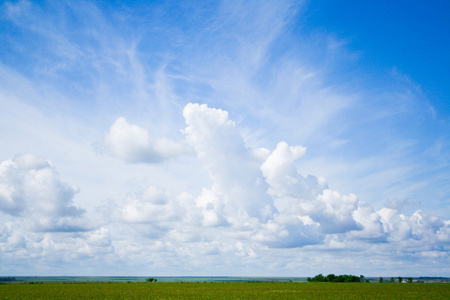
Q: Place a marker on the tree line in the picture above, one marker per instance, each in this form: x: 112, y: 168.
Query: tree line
x: 7, y: 278
x: 336, y: 278
x: 400, y: 279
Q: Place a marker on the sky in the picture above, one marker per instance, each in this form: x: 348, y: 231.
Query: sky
x: 214, y: 138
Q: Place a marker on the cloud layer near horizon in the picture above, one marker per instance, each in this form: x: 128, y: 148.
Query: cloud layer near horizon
x: 258, y: 201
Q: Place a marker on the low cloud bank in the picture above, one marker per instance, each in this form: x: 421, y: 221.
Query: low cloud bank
x: 259, y: 203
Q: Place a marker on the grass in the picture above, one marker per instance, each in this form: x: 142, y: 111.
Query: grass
x: 241, y: 290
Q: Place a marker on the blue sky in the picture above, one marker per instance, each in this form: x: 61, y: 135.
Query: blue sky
x: 279, y: 138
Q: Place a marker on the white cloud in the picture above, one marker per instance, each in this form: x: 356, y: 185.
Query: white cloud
x: 233, y: 168
x: 257, y: 205
x: 370, y: 221
x: 212, y: 209
x: 334, y: 212
x: 133, y: 144
x: 30, y: 188
x: 307, y: 211
x: 307, y: 196
x: 281, y: 174
x: 150, y: 206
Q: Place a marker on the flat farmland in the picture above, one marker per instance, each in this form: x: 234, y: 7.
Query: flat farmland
x: 241, y: 290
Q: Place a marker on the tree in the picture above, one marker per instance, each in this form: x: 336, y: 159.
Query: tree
x: 380, y: 280
x: 400, y: 279
x: 331, y: 278
x: 410, y: 280
x: 150, y: 279
x: 392, y: 279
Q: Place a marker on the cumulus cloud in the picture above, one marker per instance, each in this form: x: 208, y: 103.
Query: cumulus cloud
x: 151, y: 212
x: 259, y: 195
x: 285, y: 181
x: 258, y: 204
x: 30, y: 188
x: 49, y: 250
x: 133, y: 144
x: 370, y: 225
x: 308, y: 198
x: 330, y: 214
x: 419, y: 226
x: 211, y: 209
x: 234, y: 169
x: 299, y: 210
x: 43, y: 221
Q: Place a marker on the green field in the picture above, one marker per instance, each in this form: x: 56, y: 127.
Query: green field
x: 275, y: 290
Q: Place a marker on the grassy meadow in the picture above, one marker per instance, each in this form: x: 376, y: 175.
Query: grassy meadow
x: 233, y: 290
